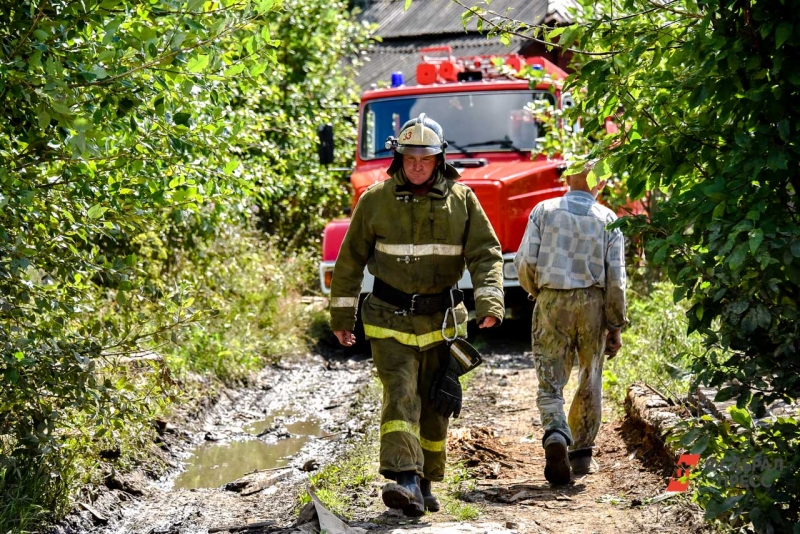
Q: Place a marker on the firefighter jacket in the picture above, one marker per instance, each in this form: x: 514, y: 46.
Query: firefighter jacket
x: 417, y: 244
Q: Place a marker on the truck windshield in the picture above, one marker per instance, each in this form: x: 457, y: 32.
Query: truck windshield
x: 496, y: 121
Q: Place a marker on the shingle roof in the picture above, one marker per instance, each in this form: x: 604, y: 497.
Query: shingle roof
x: 438, y: 22
x: 437, y: 17
x: 403, y: 55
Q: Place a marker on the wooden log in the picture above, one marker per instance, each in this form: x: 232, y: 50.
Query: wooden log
x: 240, y: 528
x: 645, y: 406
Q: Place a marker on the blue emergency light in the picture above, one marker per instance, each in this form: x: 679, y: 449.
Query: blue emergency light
x: 397, y: 79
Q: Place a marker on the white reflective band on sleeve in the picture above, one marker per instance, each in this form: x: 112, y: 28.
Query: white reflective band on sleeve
x: 488, y: 291
x: 420, y: 250
x: 344, y: 302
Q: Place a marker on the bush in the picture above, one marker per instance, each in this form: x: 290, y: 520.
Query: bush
x: 137, y: 137
x: 250, y: 297
x: 750, y: 476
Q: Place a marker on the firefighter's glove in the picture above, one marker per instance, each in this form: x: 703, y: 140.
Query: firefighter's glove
x: 446, y: 389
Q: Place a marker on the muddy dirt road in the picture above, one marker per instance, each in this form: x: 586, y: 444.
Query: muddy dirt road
x: 305, y: 414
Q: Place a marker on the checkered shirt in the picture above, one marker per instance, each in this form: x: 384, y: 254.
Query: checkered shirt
x: 566, y: 246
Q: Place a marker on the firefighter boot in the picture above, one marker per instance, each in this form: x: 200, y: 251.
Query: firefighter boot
x: 405, y: 494
x: 556, y: 467
x: 431, y: 502
x: 582, y: 462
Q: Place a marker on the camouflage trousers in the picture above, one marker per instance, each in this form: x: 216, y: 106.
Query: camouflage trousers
x: 566, y: 324
x: 413, y: 434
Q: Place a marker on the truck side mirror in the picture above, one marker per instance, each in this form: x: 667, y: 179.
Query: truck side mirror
x: 325, y: 144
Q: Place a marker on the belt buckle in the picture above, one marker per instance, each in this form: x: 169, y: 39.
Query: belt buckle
x: 414, y: 302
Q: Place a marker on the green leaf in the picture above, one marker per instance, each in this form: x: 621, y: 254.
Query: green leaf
x: 661, y: 254
x: 700, y: 445
x: 235, y: 70
x: 741, y: 416
x: 737, y: 257
x: 552, y: 34
x: 570, y: 34
x: 258, y: 69
x: 198, y: 63
x: 756, y: 238
x: 264, y: 6
x: 407, y: 5
x: 739, y: 307
x: 750, y: 322
x: 60, y: 107
x: 782, y: 33
x: 796, y: 249
x: 600, y: 172
x: 96, y: 211
x: 231, y: 166
x: 182, y: 118
x: 44, y: 119
x: 698, y: 96
x: 784, y: 129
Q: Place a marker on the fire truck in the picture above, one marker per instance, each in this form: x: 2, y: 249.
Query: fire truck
x: 491, y: 135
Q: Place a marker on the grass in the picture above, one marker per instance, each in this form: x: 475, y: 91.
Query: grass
x: 655, y: 347
x: 255, y: 313
x: 458, y: 482
x: 355, y: 472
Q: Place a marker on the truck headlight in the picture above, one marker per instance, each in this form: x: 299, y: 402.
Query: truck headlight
x: 510, y: 270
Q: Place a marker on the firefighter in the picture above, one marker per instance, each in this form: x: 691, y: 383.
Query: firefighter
x: 575, y: 269
x: 416, y: 232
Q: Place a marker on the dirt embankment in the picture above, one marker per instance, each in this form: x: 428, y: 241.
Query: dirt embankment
x: 319, y: 403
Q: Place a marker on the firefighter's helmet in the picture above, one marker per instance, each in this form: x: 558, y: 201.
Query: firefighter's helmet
x: 420, y: 137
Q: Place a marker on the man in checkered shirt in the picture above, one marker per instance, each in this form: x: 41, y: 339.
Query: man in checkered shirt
x: 575, y: 269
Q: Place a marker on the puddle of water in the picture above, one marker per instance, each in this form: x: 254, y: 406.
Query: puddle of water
x: 257, y: 427
x: 310, y: 427
x: 305, y: 428
x: 213, y: 464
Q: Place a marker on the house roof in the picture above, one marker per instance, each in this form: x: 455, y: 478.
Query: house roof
x: 437, y: 23
x: 438, y: 17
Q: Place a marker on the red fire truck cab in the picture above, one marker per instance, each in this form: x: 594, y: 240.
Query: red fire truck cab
x: 491, y: 137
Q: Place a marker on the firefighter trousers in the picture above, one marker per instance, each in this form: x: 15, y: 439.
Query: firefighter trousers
x: 566, y: 324
x: 413, y: 435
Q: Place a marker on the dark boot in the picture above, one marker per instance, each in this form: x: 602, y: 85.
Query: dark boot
x: 556, y: 467
x: 431, y: 502
x: 582, y: 462
x: 405, y: 494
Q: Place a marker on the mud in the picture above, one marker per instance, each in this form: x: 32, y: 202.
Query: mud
x: 305, y: 413
x: 293, y: 419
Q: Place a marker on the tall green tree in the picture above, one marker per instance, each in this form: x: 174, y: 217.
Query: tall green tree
x: 707, y: 97
x: 132, y: 131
